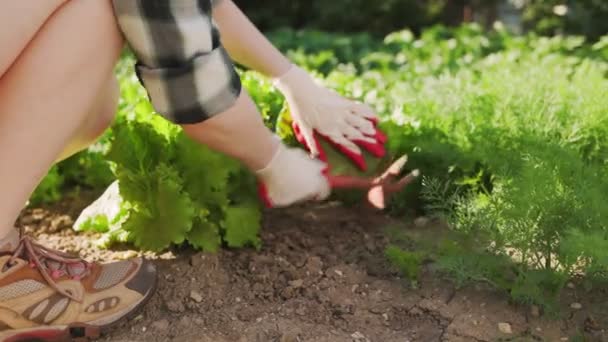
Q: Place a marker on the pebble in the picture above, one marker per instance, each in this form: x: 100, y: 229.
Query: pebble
x: 570, y: 285
x: 297, y: 283
x: 421, y: 222
x: 505, y: 328
x: 161, y: 325
x: 127, y: 255
x: 576, y: 306
x: 358, y: 336
x: 377, y: 310
x: 197, y: 297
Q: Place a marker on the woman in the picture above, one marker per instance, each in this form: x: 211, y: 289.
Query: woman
x: 58, y: 94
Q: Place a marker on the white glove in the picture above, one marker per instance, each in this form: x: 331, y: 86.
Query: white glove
x: 345, y: 123
x: 292, y: 177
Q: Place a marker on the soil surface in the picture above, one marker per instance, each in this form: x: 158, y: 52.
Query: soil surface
x: 320, y: 276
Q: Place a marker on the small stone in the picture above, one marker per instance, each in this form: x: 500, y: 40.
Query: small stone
x: 143, y: 329
x: 127, y: 255
x: 377, y: 310
x: 385, y: 316
x: 564, y: 339
x: 339, y: 273
x: 296, y: 283
x: 238, y: 299
x: 421, y: 222
x: 358, y: 336
x: 535, y: 311
x: 197, y: 297
x: 576, y: 306
x: 160, y: 325
x: 570, y: 285
x: 505, y: 328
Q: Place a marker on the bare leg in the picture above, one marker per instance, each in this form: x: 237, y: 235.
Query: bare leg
x: 48, y: 90
x: 17, y: 33
x: 98, y: 120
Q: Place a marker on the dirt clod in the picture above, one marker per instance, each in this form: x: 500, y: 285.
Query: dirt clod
x: 175, y: 305
x: 160, y: 325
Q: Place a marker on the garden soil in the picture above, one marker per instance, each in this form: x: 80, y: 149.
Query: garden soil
x: 321, y: 276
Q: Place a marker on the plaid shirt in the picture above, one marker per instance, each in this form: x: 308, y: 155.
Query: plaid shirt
x: 186, y: 71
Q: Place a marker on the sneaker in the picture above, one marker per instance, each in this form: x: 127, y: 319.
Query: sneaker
x: 47, y: 295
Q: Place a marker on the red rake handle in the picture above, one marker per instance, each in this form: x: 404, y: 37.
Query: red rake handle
x: 379, y: 189
x: 350, y: 182
x: 386, y: 180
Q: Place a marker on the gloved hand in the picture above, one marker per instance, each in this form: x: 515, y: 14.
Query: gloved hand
x: 348, y: 125
x: 291, y: 177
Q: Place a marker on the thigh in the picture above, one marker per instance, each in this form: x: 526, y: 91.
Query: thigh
x: 21, y: 19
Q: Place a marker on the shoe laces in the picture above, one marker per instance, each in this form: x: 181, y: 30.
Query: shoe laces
x: 51, y: 264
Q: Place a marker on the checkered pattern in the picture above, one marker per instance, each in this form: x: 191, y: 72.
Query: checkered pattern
x: 181, y: 62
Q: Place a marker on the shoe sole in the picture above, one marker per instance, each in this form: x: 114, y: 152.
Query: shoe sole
x: 77, y: 332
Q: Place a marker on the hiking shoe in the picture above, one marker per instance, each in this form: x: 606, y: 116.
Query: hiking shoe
x: 47, y: 295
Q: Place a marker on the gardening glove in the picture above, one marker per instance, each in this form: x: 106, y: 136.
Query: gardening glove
x: 316, y: 110
x: 292, y: 176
